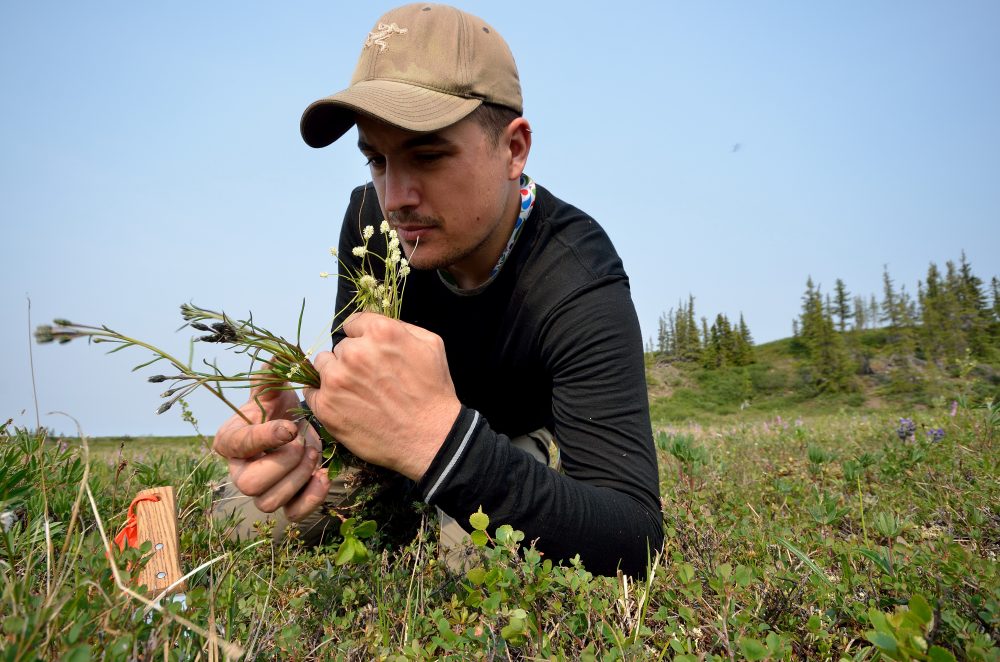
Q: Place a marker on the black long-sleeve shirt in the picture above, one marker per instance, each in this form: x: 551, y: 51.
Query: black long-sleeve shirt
x: 553, y: 341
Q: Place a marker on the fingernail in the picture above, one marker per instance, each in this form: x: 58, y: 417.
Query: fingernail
x: 312, y: 454
x: 285, y: 434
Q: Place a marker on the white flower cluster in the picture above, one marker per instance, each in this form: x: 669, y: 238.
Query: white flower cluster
x: 384, y: 296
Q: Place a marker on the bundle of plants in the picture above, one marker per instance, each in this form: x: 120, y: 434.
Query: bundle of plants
x: 276, y: 363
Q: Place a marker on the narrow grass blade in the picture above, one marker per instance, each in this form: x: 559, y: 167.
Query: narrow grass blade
x: 805, y: 559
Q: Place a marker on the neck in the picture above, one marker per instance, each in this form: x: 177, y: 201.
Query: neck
x: 475, y: 271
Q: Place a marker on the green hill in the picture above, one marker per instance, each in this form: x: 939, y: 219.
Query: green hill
x: 778, y: 383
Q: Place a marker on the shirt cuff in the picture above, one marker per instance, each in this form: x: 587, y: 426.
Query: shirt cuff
x: 463, y: 430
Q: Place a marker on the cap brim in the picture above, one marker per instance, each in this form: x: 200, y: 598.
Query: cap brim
x: 403, y: 105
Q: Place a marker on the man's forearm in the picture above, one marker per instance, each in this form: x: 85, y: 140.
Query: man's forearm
x: 477, y: 467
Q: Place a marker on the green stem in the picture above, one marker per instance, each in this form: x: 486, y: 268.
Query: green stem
x: 216, y: 391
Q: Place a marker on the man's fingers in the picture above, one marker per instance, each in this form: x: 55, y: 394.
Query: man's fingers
x: 245, y: 441
x: 420, y: 333
x: 360, y: 324
x: 282, y: 491
x: 320, y: 360
x: 255, y: 477
x: 310, y: 498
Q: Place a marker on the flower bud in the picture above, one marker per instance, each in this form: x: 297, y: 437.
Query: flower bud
x: 43, y: 334
x: 156, y: 379
x: 164, y: 407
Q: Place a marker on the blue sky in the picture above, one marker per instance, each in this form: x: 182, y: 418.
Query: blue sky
x: 149, y: 155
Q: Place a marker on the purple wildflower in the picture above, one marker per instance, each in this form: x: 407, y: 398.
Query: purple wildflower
x: 907, y: 429
x: 935, y: 435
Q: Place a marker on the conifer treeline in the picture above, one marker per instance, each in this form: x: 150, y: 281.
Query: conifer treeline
x: 723, y: 344
x: 950, y: 320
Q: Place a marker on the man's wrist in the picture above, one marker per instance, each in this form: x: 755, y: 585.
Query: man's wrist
x: 450, y: 454
x: 421, y: 455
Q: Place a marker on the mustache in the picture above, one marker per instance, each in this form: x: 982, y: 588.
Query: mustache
x: 411, y: 219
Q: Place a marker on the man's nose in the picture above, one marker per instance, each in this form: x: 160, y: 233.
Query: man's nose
x: 401, y: 189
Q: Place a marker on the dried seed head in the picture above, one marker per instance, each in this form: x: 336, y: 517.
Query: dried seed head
x: 198, y: 326
x: 164, y: 407
x: 43, y: 334
x: 156, y: 379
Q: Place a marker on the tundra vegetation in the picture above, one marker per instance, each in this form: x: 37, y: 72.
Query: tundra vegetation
x: 844, y: 515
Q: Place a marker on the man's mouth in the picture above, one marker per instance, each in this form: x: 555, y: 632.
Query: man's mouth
x: 409, y: 230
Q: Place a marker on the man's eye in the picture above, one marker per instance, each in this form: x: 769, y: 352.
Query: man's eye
x: 428, y: 157
x: 375, y: 162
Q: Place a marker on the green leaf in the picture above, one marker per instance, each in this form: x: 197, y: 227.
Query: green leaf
x: 685, y: 572
x: 79, y: 654
x: 938, y: 654
x: 477, y: 575
x: 881, y: 561
x: 366, y: 529
x: 743, y: 576
x: 150, y: 362
x: 345, y: 553
x: 885, y: 642
x: 347, y: 527
x: 879, y: 621
x: 479, y: 538
x: 920, y: 609
x: 504, y: 534
x: 805, y: 559
x: 479, y: 520
x: 752, y: 649
x: 358, y: 550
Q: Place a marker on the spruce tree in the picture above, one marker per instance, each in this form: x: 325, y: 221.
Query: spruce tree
x: 694, y: 342
x: 662, y: 335
x: 744, y: 343
x: 859, y: 313
x: 712, y: 355
x: 873, y: 312
x: 932, y: 316
x: 842, y: 305
x: 995, y: 285
x: 973, y: 309
x: 890, y: 300
x: 704, y: 335
x: 831, y: 368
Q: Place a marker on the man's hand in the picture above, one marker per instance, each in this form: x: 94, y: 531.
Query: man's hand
x: 386, y: 393
x: 275, y: 462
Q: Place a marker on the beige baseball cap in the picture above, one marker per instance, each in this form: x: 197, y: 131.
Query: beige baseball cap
x: 423, y: 67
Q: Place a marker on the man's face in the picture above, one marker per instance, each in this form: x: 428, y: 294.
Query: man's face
x: 448, y: 194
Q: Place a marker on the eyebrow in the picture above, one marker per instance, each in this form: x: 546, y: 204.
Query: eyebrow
x: 422, y: 140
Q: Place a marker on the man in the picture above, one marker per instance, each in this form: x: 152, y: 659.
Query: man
x: 518, y: 328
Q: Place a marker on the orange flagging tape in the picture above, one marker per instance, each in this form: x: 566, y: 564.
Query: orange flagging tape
x: 129, y: 533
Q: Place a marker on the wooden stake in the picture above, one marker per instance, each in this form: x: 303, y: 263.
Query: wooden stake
x: 157, y: 523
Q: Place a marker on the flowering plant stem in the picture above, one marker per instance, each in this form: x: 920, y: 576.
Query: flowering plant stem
x: 286, y: 368
x: 281, y: 364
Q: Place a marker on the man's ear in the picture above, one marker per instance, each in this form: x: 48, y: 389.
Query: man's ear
x: 517, y: 137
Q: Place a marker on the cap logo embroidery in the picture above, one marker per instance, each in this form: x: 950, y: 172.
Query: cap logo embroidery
x: 382, y: 33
